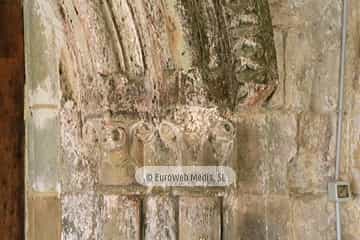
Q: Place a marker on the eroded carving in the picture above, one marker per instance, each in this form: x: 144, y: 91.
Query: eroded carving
x: 173, y: 70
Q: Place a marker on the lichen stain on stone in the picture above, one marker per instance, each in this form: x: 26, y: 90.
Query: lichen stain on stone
x: 233, y: 46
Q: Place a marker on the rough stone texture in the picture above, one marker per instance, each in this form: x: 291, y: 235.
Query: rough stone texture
x: 249, y: 84
x: 307, y: 61
x: 119, y: 218
x: 279, y: 218
x: 44, y: 214
x: 350, y: 219
x: 244, y: 216
x: 355, y: 153
x: 266, y: 148
x: 160, y: 218
x: 78, y: 215
x: 116, y: 167
x: 78, y: 163
x: 282, y: 147
x: 313, y: 218
x: 313, y: 166
x: 199, y: 218
x: 252, y: 153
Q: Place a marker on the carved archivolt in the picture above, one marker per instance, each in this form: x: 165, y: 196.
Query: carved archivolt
x: 160, y: 75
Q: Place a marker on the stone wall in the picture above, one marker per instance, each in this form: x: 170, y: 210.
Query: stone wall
x: 116, y: 85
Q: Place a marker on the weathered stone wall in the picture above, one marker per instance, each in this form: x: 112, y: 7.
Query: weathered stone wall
x: 113, y: 85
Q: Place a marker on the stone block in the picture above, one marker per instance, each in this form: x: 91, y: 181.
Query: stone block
x: 80, y: 153
x: 278, y: 219
x: 309, y: 67
x: 43, y: 43
x: 299, y: 71
x: 282, y: 147
x: 119, y: 218
x: 78, y: 216
x: 315, y: 131
x: 199, y: 218
x: 252, y: 152
x: 350, y: 219
x: 313, y: 218
x: 244, y: 217
x: 43, y: 141
x: 313, y: 166
x: 355, y: 181
x: 354, y: 150
x: 160, y: 218
x: 44, y: 218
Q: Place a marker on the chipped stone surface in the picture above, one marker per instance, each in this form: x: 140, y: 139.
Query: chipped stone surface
x: 119, y: 218
x: 160, y: 218
x: 78, y: 215
x: 199, y: 218
x: 78, y: 165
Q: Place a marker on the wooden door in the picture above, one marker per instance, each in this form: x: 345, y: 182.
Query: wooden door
x: 11, y: 121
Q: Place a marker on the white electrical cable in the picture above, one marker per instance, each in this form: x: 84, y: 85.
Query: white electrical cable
x: 340, y: 110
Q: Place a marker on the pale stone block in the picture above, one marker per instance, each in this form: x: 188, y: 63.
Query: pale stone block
x: 43, y: 141
x: 43, y: 43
